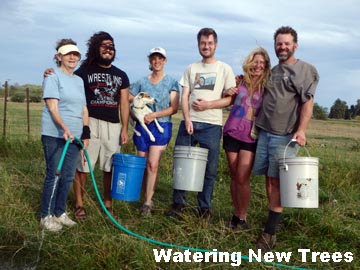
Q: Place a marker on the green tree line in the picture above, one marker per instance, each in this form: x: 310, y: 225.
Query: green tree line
x: 17, y: 93
x: 339, y: 110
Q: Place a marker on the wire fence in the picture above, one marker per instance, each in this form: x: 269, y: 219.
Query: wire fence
x: 20, y: 120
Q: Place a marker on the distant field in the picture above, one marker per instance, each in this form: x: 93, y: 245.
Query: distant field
x: 97, y: 244
x: 317, y: 130
x: 335, y: 128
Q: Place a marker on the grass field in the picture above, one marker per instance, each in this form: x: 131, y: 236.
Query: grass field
x: 98, y: 243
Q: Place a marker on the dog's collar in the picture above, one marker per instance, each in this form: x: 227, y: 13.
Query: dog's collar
x: 133, y: 106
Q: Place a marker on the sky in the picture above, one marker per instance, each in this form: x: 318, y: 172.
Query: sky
x: 328, y: 35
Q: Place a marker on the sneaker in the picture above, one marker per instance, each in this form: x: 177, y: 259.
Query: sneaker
x: 50, y: 224
x: 65, y: 220
x: 236, y: 223
x: 176, y: 209
x: 266, y: 242
x: 145, y: 209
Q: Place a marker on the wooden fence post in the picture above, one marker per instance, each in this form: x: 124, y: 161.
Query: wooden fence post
x: 5, y: 108
x: 28, y: 111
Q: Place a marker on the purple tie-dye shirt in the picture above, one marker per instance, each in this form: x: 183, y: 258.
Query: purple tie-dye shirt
x: 245, y: 108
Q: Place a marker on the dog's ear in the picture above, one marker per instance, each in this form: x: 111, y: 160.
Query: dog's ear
x: 141, y: 94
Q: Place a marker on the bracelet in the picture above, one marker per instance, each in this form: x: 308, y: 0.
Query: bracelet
x: 85, y: 133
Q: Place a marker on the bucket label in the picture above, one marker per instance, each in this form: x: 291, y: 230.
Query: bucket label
x: 121, y: 184
x: 303, y: 187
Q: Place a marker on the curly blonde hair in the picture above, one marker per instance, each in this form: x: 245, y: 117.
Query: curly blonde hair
x: 248, y: 64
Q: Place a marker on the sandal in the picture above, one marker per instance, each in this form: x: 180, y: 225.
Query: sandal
x: 80, y: 213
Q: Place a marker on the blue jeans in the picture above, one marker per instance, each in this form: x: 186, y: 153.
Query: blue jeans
x: 207, y: 136
x: 56, y: 188
x: 270, y: 148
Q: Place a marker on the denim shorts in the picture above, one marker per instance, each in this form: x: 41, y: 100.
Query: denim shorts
x: 270, y: 148
x: 143, y: 142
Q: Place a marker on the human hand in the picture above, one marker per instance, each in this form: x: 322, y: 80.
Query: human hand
x: 85, y: 143
x: 200, y: 105
x: 67, y: 134
x: 189, y: 126
x: 231, y: 91
x: 300, y: 137
x: 124, y: 137
x: 149, y: 118
x: 238, y: 79
x: 48, y: 71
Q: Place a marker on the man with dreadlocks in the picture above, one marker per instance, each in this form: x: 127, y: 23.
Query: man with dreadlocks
x: 107, y: 97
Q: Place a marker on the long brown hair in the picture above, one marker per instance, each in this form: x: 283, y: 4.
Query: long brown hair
x: 93, y: 52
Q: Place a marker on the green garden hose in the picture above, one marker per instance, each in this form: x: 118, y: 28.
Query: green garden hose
x: 164, y: 244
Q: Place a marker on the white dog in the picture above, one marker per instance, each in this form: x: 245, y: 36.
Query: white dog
x: 138, y: 111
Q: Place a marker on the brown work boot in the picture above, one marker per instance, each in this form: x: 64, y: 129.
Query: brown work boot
x: 266, y: 242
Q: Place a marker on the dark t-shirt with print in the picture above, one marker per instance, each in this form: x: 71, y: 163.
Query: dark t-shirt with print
x: 102, y: 90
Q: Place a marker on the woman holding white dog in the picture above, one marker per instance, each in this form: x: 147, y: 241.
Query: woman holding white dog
x: 165, y: 90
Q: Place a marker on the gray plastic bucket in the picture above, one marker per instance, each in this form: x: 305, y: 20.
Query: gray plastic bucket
x: 189, y: 168
x: 299, y: 181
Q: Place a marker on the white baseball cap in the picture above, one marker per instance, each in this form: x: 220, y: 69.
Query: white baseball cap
x: 158, y: 50
x: 65, y: 49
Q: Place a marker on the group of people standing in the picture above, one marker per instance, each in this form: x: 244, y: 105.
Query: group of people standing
x: 269, y: 108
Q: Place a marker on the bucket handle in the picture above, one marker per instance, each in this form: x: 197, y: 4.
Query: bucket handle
x: 291, y: 141
x: 121, y: 156
x: 189, y: 148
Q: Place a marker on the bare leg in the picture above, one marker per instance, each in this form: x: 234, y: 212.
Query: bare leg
x: 107, y: 188
x: 152, y: 167
x: 273, y: 193
x: 143, y: 185
x: 232, y: 158
x: 240, y: 165
x: 244, y: 166
x: 79, y: 188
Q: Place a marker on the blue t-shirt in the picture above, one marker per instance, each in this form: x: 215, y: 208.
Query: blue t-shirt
x: 69, y: 90
x: 160, y: 91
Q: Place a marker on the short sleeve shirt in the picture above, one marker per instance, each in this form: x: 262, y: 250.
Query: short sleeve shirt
x: 102, y: 90
x: 69, y: 90
x: 288, y: 88
x: 207, y: 81
x: 160, y: 91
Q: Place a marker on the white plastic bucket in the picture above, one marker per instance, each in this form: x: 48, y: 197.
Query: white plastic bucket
x: 299, y: 181
x: 189, y: 168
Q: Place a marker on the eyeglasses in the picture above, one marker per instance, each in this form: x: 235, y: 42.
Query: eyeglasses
x: 110, y: 47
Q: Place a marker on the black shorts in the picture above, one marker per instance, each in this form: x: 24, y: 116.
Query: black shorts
x: 231, y: 144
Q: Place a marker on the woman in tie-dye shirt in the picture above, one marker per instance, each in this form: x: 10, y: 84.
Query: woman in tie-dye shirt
x: 239, y: 140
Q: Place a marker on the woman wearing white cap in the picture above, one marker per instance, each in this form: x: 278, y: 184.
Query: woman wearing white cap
x: 64, y: 116
x: 165, y: 90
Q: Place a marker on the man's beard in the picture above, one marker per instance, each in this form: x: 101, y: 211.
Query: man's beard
x: 105, y: 61
x: 206, y: 56
x: 283, y: 58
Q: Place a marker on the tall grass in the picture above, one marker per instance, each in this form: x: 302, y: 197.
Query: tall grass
x: 97, y: 243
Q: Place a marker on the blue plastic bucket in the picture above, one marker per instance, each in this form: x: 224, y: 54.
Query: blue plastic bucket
x: 127, y: 175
